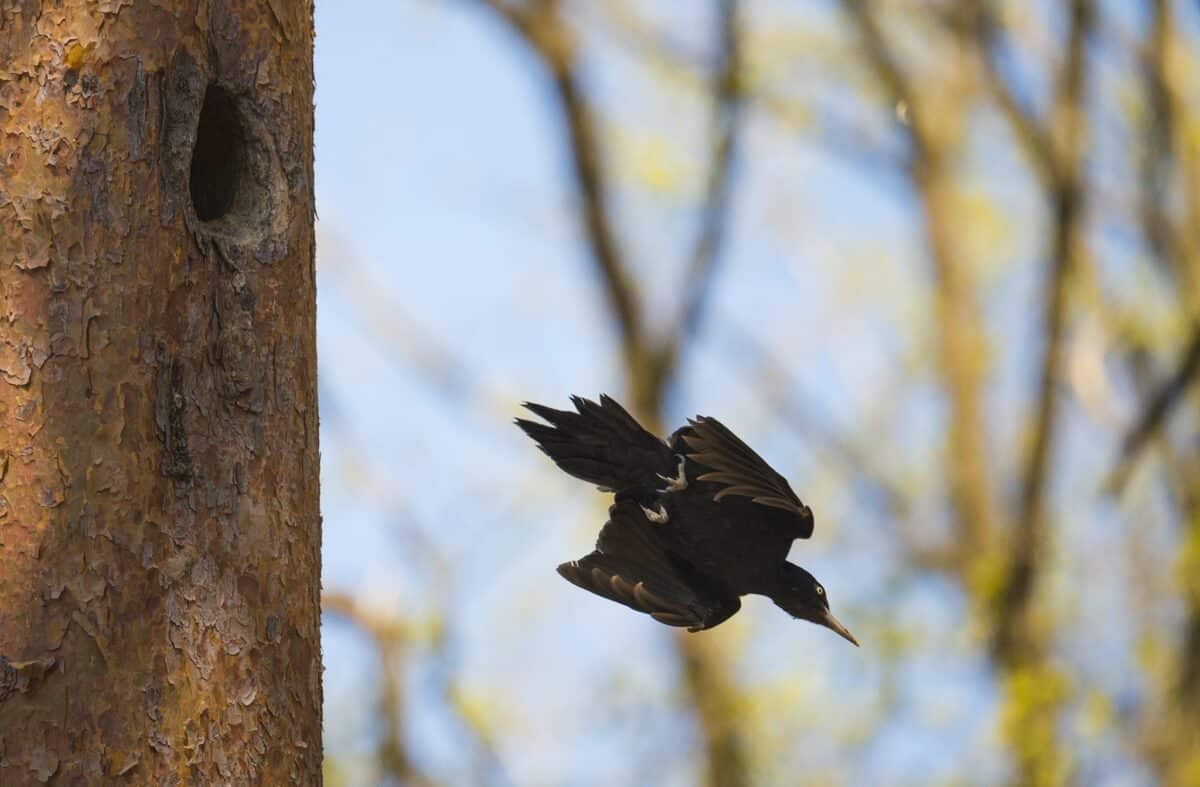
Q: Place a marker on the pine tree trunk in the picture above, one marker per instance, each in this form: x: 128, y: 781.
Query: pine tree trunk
x: 159, y: 529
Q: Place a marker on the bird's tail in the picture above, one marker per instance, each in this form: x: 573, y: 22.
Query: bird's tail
x: 601, y: 444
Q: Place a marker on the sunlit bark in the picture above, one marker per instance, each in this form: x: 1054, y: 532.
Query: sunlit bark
x: 159, y: 531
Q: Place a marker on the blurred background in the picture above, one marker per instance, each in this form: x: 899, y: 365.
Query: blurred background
x: 938, y: 261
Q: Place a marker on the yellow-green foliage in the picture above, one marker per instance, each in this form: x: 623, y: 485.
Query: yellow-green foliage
x: 1029, y: 721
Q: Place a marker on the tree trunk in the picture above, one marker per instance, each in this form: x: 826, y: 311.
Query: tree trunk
x: 159, y: 530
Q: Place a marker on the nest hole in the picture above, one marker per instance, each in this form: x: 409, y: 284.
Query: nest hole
x: 220, y: 157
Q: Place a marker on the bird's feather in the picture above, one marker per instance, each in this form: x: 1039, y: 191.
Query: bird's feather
x: 739, y: 471
x: 697, y: 521
x: 601, y: 444
x: 632, y: 567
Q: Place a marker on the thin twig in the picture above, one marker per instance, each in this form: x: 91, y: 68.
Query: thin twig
x: 1155, y: 412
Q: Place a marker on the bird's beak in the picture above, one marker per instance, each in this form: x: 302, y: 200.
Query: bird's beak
x: 830, y: 622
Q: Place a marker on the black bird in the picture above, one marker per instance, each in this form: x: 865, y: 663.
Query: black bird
x: 699, y: 520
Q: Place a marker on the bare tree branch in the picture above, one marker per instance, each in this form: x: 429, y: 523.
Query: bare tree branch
x: 1156, y: 411
x: 585, y: 157
x: 622, y: 18
x: 800, y: 414
x: 1014, y: 647
x: 648, y: 367
x: 711, y: 688
x: 540, y: 25
x: 888, y: 71
x: 1168, y: 142
x: 840, y: 137
x: 411, y: 346
x: 1159, y: 139
x: 487, y: 757
x: 1173, y: 241
x: 1170, y: 734
x: 714, y: 216
x: 1067, y: 194
x: 959, y: 330
x: 710, y: 685
x: 389, y: 637
x: 1035, y: 141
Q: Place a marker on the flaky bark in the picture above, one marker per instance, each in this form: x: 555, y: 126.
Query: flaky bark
x: 159, y: 532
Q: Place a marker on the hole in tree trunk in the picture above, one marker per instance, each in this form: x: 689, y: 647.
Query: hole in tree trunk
x: 219, y: 158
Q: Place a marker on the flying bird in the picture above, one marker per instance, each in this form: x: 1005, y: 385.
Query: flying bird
x: 698, y: 520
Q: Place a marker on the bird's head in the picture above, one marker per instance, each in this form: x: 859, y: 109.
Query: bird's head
x: 798, y: 593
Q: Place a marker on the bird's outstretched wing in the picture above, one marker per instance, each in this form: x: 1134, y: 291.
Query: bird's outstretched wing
x: 738, y: 470
x: 602, y: 444
x: 630, y: 566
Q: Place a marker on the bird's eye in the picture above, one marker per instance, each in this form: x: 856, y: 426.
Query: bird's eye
x: 820, y: 590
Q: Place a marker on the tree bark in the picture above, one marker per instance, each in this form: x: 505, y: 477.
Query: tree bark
x: 159, y: 527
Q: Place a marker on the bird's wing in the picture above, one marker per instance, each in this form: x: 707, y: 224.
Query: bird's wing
x: 631, y: 567
x: 738, y: 470
x: 601, y: 444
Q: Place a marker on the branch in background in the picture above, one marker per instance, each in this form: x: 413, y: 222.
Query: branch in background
x: 1184, y: 477
x: 416, y: 349
x: 831, y: 134
x: 957, y: 322
x: 585, y: 157
x: 1171, y: 243
x: 795, y: 410
x: 1159, y: 142
x: 540, y: 26
x: 888, y: 71
x: 1170, y: 138
x: 622, y: 18
x: 487, y: 758
x: 1170, y: 735
x: 1035, y: 690
x: 1030, y: 717
x: 1011, y: 642
x: 389, y: 637
x: 1033, y: 138
x: 1156, y: 411
x: 728, y: 102
x: 711, y: 688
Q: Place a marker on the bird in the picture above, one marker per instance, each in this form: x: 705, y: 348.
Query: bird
x: 697, y: 521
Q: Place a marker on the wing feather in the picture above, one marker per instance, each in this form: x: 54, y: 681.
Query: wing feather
x: 629, y: 567
x: 740, y: 471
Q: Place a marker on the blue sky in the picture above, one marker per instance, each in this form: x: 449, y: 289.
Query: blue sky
x: 446, y: 219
